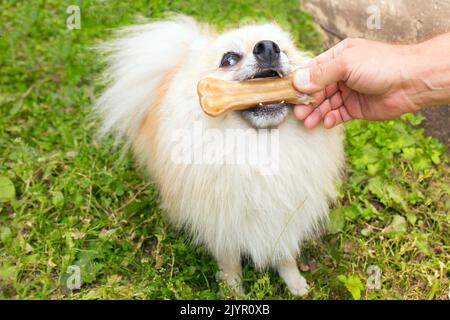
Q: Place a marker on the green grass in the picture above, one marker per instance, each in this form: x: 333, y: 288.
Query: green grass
x: 66, y: 199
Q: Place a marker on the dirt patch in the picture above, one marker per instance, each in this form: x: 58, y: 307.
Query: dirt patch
x: 437, y: 123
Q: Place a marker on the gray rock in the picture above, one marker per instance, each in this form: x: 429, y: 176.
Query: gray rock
x: 400, y: 21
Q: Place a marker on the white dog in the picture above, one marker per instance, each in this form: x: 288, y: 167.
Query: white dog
x: 235, y: 208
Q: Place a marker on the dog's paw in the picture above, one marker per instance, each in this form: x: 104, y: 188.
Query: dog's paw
x: 298, y: 287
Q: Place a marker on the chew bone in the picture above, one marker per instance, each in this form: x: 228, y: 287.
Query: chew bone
x: 219, y: 96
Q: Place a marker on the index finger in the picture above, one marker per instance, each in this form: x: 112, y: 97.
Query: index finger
x: 331, y: 53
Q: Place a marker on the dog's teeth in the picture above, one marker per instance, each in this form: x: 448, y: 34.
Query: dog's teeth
x: 280, y: 74
x: 282, y: 101
x: 260, y: 104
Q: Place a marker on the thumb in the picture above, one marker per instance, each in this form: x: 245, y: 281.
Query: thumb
x: 319, y: 75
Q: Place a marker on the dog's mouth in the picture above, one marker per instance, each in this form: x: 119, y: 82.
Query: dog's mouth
x: 266, y: 115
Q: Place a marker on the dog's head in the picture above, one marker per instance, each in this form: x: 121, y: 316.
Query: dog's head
x: 256, y: 51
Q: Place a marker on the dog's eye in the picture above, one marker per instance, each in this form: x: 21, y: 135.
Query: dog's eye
x: 230, y: 59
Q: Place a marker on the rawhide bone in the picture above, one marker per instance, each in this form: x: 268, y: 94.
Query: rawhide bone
x: 219, y: 96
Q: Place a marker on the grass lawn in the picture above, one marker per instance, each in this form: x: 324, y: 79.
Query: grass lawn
x: 67, y: 199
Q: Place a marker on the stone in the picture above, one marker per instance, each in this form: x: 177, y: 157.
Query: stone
x: 400, y: 21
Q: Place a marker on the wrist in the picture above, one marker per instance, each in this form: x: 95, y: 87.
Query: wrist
x: 426, y: 76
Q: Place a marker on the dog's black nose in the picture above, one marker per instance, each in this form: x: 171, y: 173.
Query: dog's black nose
x: 266, y: 53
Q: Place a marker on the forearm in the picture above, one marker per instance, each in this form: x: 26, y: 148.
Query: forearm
x: 427, y: 73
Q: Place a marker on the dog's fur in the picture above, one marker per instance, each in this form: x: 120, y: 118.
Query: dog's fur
x: 233, y: 209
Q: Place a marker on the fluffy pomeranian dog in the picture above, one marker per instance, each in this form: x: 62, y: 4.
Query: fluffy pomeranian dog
x: 235, y: 208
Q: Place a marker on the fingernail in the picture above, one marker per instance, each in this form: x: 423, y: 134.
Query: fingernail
x: 302, y: 78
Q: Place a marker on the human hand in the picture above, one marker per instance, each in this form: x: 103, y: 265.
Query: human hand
x: 357, y: 79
